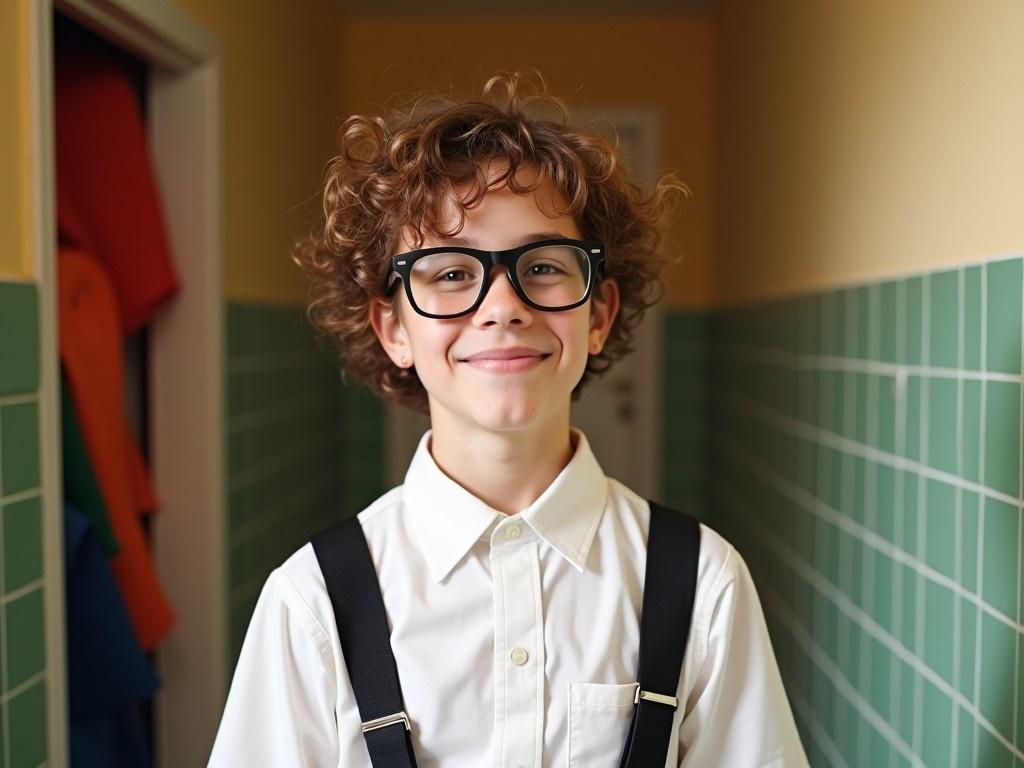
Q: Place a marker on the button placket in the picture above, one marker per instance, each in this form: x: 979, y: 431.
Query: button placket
x: 518, y: 655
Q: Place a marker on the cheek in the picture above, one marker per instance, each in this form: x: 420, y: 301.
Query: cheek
x: 432, y: 348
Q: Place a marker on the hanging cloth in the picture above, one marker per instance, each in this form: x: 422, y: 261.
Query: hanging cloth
x: 108, y: 674
x: 90, y: 351
x: 80, y: 487
x: 107, y: 198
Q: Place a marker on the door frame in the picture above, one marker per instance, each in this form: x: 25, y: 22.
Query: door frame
x: 186, y: 360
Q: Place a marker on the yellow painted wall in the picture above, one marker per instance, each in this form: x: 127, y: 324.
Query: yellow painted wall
x: 15, y: 246
x: 281, y: 96
x: 865, y: 139
x: 628, y: 60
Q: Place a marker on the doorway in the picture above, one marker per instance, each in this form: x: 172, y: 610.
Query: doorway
x: 179, y: 363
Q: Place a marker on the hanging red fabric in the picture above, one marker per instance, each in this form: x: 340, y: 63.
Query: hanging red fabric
x: 107, y: 201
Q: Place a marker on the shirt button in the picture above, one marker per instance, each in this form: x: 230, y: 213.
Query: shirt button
x: 519, y: 656
x: 512, y: 532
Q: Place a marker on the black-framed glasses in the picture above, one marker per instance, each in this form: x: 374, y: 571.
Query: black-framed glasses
x: 451, y: 281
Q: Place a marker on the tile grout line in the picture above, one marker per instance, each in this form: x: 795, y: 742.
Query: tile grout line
x: 316, y: 400
x: 21, y: 399
x: 982, y: 365
x: 961, y: 343
x: 3, y: 618
x: 268, y: 466
x: 870, y: 513
x: 899, y: 445
x: 1020, y: 537
x: 846, y: 485
x: 21, y: 687
x: 832, y: 363
x: 23, y: 590
x: 921, y: 547
x: 250, y: 529
x: 14, y: 498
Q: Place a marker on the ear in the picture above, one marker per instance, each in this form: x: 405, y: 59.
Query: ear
x: 387, y: 324
x: 604, y: 309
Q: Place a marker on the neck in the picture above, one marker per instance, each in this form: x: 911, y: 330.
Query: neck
x: 508, y: 471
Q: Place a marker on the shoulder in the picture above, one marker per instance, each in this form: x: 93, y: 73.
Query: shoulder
x: 299, y: 583
x: 718, y: 563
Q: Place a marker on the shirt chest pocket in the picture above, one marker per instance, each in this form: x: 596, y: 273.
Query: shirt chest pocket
x: 599, y: 717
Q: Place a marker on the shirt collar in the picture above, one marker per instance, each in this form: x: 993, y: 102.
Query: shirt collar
x: 446, y: 519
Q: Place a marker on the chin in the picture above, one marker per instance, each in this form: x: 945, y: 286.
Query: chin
x: 504, y: 414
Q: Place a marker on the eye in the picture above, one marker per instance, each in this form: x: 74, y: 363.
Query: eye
x: 453, y: 276
x: 543, y: 269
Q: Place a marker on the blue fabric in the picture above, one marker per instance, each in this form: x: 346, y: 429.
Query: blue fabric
x: 108, y: 673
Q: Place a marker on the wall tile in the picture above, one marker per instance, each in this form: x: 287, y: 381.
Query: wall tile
x: 19, y: 338
x: 1000, y: 572
x: 26, y: 715
x: 26, y: 640
x: 972, y: 318
x: 944, y: 315
x: 1002, y: 436
x: 940, y: 527
x: 19, y: 447
x: 942, y: 424
x: 1003, y: 340
x: 23, y: 543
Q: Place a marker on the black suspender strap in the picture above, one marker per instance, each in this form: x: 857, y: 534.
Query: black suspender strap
x: 670, y: 585
x: 354, y: 590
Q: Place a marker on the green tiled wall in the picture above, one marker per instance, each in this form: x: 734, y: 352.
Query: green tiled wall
x: 685, y: 370
x: 304, y: 449
x: 23, y: 668
x: 864, y: 455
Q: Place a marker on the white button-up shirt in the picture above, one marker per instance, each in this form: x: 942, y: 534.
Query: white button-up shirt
x: 516, y: 639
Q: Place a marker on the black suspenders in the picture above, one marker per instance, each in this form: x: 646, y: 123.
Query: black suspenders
x: 670, y: 584
x: 366, y: 642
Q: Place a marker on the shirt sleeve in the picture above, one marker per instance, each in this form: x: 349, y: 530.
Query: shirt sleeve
x: 281, y: 706
x: 740, y: 715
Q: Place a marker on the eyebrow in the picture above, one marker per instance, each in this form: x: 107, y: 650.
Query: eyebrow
x: 469, y: 242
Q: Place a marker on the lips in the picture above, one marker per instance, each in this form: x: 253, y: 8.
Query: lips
x: 505, y: 353
x: 506, y: 360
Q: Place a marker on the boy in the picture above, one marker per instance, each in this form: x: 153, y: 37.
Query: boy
x: 478, y: 263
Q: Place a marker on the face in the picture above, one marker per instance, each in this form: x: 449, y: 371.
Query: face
x: 506, y: 366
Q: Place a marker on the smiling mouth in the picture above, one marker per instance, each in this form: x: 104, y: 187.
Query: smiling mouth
x: 506, y: 362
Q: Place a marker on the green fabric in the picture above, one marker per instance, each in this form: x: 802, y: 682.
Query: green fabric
x: 80, y: 487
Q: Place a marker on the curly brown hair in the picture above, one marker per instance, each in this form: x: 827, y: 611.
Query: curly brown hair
x: 392, y: 174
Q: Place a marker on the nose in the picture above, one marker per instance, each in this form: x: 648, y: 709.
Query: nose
x: 502, y: 305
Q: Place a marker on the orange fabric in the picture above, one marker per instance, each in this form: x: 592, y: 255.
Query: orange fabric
x: 90, y: 350
x: 142, y: 488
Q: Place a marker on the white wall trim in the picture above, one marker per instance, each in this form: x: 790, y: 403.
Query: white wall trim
x: 42, y: 194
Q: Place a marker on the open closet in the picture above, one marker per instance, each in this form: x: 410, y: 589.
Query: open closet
x: 125, y: 97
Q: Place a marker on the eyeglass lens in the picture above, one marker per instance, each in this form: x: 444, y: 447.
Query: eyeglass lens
x: 551, y: 276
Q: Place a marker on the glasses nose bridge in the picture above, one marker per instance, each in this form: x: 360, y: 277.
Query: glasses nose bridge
x: 497, y: 260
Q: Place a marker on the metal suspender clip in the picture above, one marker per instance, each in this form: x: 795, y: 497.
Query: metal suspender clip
x: 661, y: 698
x: 384, y: 722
